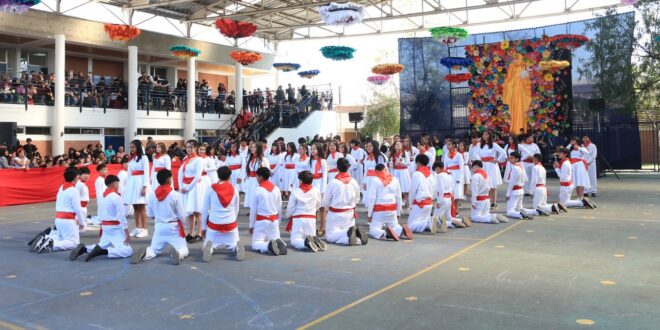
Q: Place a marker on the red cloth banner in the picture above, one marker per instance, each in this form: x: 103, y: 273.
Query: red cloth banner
x: 39, y: 185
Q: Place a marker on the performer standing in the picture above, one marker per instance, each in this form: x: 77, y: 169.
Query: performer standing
x: 69, y: 219
x: 508, y: 149
x: 319, y: 169
x: 191, y: 186
x: 374, y: 157
x: 289, y: 174
x: 274, y: 160
x: 115, y: 241
x: 99, y: 184
x: 527, y: 151
x: 591, y: 164
x: 490, y: 155
x: 399, y: 165
x: 265, y: 215
x: 301, y: 210
x: 454, y: 166
x: 137, y: 183
x: 167, y: 208
x: 209, y: 173
x: 331, y: 160
x: 249, y: 180
x: 219, y: 218
x: 341, y: 198
x: 480, y: 184
x: 515, y: 192
x: 161, y: 161
x: 422, y: 190
x: 359, y: 154
x: 384, y: 206
x: 466, y: 166
x: 343, y: 149
x: 411, y: 152
x: 563, y: 168
x: 83, y: 190
x: 579, y: 167
x: 235, y: 162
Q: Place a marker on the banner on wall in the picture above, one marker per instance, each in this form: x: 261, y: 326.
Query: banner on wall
x: 39, y: 185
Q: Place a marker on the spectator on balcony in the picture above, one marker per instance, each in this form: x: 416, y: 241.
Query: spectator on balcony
x: 291, y: 95
x: 110, y: 152
x: 279, y: 95
x: 102, y: 92
x: 6, y: 91
x: 303, y: 91
x: 231, y: 100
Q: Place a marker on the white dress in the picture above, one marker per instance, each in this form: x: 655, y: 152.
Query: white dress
x: 412, y: 154
x: 274, y: 161
x: 137, y: 178
x: 467, y: 174
x: 454, y: 166
x: 235, y: 164
x: 191, y: 178
x: 579, y: 168
x: 370, y: 172
x: 159, y: 163
x: 331, y: 161
x: 320, y: 174
x: 302, y: 164
x: 399, y: 166
x: 497, y: 154
x: 249, y: 177
x: 288, y: 174
x: 211, y: 169
x: 508, y: 150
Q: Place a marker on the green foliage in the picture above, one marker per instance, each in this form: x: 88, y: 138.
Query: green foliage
x: 382, y: 116
x: 647, y: 54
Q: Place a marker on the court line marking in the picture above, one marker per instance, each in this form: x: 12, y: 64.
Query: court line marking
x: 10, y: 326
x: 406, y: 279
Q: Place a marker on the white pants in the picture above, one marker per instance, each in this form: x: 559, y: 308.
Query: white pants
x: 445, y: 210
x: 387, y: 218
x: 264, y: 231
x: 540, y: 202
x: 593, y: 179
x: 529, y: 185
x: 420, y: 218
x: 113, y: 239
x: 166, y: 234
x: 301, y: 228
x: 336, y: 226
x: 565, y: 197
x: 222, y: 240
x: 514, y: 206
x: 67, y: 235
x: 481, y: 212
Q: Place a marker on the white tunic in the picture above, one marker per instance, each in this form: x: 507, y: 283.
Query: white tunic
x: 302, y: 164
x: 359, y: 155
x: 320, y: 174
x: 467, y: 174
x: 191, y: 179
x: 235, y: 164
x: 516, y: 180
x: 381, y: 194
x: 99, y: 188
x: 135, y: 181
x: 579, y: 169
x: 331, y: 161
x: 454, y: 166
x: 215, y: 212
x: 421, y: 188
x: 265, y: 203
x: 122, y: 175
x: 167, y: 211
x: 399, y: 166
x: 68, y: 200
x: 211, y: 169
x: 275, y: 168
x: 496, y: 155
x: 159, y: 163
x: 83, y: 190
x: 249, y: 176
x: 288, y: 175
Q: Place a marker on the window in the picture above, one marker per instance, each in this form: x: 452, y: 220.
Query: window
x: 206, y: 132
x: 37, y: 130
x: 114, y: 131
x: 20, y: 130
x: 79, y: 130
x: 160, y: 131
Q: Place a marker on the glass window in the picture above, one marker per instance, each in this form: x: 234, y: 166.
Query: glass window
x: 90, y: 131
x: 71, y: 130
x: 20, y: 130
x: 37, y: 130
x: 176, y: 132
x: 114, y: 131
x: 148, y: 131
x: 162, y: 132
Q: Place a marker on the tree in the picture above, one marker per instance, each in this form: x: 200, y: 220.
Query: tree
x: 646, y: 71
x: 382, y: 116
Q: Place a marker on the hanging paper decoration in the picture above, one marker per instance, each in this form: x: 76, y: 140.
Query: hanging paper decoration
x: 387, y: 69
x: 182, y: 51
x: 17, y: 6
x: 342, y: 14
x: 286, y: 67
x: 456, y: 62
x: 458, y: 77
x: 309, y: 74
x: 569, y: 41
x: 553, y: 65
x: 235, y: 29
x: 448, y: 35
x: 628, y: 2
x: 121, y: 32
x: 378, y: 80
x: 246, y: 58
x: 338, y: 53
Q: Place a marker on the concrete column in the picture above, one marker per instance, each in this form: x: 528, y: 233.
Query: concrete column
x: 189, y: 128
x: 131, y: 128
x: 57, y: 130
x: 239, y: 87
x: 15, y: 62
x: 90, y: 65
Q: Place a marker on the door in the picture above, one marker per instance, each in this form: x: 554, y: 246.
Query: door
x: 116, y: 141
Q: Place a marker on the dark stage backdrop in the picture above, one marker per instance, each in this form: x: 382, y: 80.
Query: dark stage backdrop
x: 431, y: 105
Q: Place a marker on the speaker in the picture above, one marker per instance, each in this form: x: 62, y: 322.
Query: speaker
x: 355, y: 117
x: 8, y: 134
x: 596, y: 104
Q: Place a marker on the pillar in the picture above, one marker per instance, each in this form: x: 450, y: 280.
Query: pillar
x: 90, y: 65
x: 239, y: 87
x: 189, y: 128
x: 131, y: 129
x: 57, y: 130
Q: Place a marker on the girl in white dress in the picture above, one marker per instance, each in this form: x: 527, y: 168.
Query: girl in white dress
x: 235, y: 163
x: 467, y: 175
x: 161, y: 161
x: 209, y: 167
x: 123, y: 175
x: 579, y: 166
x: 426, y: 147
x: 491, y: 154
x: 289, y: 174
x: 274, y: 159
x: 302, y: 164
x: 254, y: 161
x: 137, y: 183
x: 191, y: 186
x: 319, y: 169
x: 212, y: 167
x: 343, y: 149
x: 399, y: 165
x: 411, y: 152
x: 374, y: 157
x: 508, y: 149
x: 331, y: 160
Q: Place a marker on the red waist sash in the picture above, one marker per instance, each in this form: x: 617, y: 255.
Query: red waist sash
x: 65, y: 215
x: 289, y: 225
x: 454, y: 167
x: 267, y: 217
x: 565, y: 183
x: 483, y: 198
x: 423, y: 203
x: 137, y: 172
x: 384, y: 207
x: 290, y: 166
x: 234, y: 167
x: 224, y: 228
x: 84, y: 203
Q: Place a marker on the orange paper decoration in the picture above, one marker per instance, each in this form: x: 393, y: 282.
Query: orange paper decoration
x: 122, y: 32
x: 387, y: 69
x: 246, y: 58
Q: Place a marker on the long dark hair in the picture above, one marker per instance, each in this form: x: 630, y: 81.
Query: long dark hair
x: 291, y: 146
x: 377, y: 153
x: 259, y: 156
x: 138, y: 149
x: 319, y: 153
x: 275, y: 147
x: 490, y: 139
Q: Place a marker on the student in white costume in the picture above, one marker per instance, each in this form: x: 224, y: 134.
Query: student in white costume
x: 137, y: 187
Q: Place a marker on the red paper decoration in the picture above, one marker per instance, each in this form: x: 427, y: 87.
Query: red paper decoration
x: 122, y: 32
x: 235, y: 29
x: 458, y: 77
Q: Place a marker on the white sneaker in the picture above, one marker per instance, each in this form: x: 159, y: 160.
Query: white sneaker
x: 134, y: 232
x: 502, y: 218
x: 142, y: 233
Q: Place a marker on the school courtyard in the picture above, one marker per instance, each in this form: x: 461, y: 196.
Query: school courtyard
x: 585, y: 268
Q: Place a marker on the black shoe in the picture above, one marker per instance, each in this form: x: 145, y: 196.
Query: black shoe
x: 540, y: 212
x: 591, y: 203
x: 593, y: 195
x: 320, y: 243
x: 555, y: 210
x: 45, y: 232
x: 528, y: 194
x: 197, y: 239
x: 586, y: 203
x: 272, y: 247
x: 96, y: 251
x: 189, y: 238
x: 46, y: 246
x: 562, y: 207
x: 77, y: 252
x: 362, y: 235
x: 310, y: 244
x: 36, y: 242
x: 352, y: 236
x: 281, y: 246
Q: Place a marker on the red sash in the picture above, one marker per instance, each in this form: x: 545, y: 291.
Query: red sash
x: 399, y: 167
x: 517, y: 187
x: 252, y: 174
x: 223, y: 228
x: 84, y: 203
x: 272, y: 167
x: 487, y: 159
x: 371, y: 172
x: 334, y: 210
x: 384, y: 207
x: 267, y: 217
x: 577, y: 160
x: 317, y: 169
x: 107, y: 223
x: 224, y: 191
x: 157, y: 169
x: 483, y: 198
x: 290, y: 166
x: 333, y: 170
x: 540, y: 185
x: 423, y: 203
x: 188, y: 179
x: 65, y: 215
x: 234, y: 167
x: 565, y: 183
x: 182, y: 232
x: 289, y: 225
x: 454, y: 167
x: 137, y: 172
